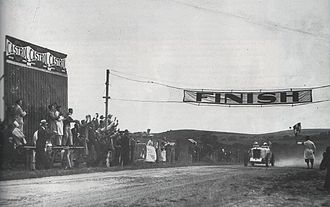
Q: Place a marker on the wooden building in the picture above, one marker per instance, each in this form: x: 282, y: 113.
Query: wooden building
x: 36, y: 75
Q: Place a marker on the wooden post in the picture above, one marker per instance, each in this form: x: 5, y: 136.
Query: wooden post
x: 106, y: 98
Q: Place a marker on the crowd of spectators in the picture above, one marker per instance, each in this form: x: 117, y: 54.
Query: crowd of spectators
x: 100, y: 142
x: 99, y: 137
x: 93, y: 141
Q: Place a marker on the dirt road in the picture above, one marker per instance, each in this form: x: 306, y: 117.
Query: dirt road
x: 183, y: 186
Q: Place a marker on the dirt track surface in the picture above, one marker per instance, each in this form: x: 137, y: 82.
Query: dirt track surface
x: 183, y: 186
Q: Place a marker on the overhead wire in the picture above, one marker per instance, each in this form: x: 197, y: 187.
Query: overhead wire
x: 145, y: 81
x: 249, y: 20
x: 219, y: 105
x: 143, y: 77
x: 215, y: 90
x: 146, y: 101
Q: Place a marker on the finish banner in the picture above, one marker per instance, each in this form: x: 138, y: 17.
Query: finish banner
x: 248, y: 98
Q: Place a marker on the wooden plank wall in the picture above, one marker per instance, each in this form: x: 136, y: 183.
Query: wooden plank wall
x: 37, y: 89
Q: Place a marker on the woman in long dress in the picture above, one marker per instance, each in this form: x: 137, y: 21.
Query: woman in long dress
x: 59, y: 125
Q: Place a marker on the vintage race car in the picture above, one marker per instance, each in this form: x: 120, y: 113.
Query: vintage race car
x: 260, y: 155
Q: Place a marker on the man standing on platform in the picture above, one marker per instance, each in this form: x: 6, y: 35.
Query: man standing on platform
x: 68, y: 125
x: 52, y: 121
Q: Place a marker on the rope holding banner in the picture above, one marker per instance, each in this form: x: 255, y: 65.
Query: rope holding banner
x: 242, y: 98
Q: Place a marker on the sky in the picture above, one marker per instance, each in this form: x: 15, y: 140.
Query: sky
x: 219, y: 44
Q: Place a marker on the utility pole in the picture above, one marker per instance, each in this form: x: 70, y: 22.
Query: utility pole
x: 106, y: 98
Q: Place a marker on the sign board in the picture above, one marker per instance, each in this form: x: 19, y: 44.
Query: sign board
x: 248, y: 98
x: 33, y: 55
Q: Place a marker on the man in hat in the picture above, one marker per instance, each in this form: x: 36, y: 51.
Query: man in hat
x: 125, y: 147
x: 96, y: 120
x: 101, y: 122
x: 42, y: 136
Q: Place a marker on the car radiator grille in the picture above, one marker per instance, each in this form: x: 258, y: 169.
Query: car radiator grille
x: 256, y: 153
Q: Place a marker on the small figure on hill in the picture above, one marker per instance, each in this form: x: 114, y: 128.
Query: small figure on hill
x: 325, y: 165
x: 309, y: 152
x: 297, y: 129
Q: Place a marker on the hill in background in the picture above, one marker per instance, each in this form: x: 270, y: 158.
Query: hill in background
x: 286, y: 136
x: 284, y: 143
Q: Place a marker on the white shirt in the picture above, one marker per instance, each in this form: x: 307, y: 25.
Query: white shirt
x: 309, y: 150
x: 35, y: 138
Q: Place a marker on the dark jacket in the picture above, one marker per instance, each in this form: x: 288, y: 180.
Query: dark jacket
x: 325, y: 164
x: 42, y: 138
